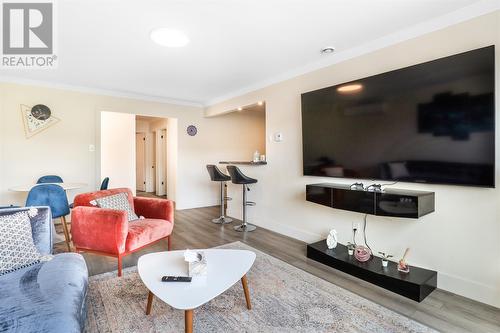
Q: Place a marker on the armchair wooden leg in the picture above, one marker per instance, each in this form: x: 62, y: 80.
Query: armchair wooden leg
x: 119, y: 265
x: 66, y: 232
x: 247, y: 293
x: 169, y: 241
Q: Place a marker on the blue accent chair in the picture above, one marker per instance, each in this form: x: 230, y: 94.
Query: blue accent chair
x: 54, y: 196
x: 49, y: 179
x: 104, y: 184
x: 48, y: 296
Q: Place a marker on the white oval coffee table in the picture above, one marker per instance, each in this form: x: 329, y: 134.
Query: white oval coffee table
x: 225, y: 268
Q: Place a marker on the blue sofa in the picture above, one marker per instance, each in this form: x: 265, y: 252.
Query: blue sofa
x: 45, y: 297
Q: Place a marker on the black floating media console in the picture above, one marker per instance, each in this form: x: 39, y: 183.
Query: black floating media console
x: 416, y: 285
x: 390, y: 202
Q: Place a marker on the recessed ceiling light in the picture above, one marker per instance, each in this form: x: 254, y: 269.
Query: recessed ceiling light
x: 327, y: 50
x: 259, y: 103
x: 240, y: 108
x: 169, y: 37
x: 350, y: 88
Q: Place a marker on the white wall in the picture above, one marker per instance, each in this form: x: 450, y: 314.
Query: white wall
x: 118, y: 149
x: 461, y: 239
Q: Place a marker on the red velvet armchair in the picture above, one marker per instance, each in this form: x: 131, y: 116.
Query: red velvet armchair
x: 108, y: 232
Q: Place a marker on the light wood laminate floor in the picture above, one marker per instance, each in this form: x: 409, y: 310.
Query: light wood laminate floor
x: 441, y: 310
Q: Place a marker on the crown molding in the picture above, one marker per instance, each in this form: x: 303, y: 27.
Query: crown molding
x: 461, y: 15
x: 97, y: 91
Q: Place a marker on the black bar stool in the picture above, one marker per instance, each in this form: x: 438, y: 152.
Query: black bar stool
x: 237, y: 177
x: 218, y: 176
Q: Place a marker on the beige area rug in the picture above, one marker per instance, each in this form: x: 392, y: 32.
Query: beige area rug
x: 284, y: 299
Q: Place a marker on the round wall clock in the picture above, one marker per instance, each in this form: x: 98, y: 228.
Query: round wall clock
x: 192, y: 130
x: 40, y: 112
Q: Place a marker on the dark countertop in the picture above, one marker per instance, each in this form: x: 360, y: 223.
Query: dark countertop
x: 244, y: 162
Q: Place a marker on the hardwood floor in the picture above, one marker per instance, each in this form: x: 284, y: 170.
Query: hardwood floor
x: 442, y: 310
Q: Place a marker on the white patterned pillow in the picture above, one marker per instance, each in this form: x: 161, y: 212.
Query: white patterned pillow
x: 119, y: 202
x: 17, y: 249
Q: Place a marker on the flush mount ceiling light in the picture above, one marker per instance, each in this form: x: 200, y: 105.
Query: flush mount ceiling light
x: 350, y: 88
x: 169, y: 37
x: 260, y: 103
x: 240, y: 108
x: 327, y: 50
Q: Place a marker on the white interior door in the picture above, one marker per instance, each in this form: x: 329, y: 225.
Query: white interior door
x: 140, y: 165
x: 161, y: 162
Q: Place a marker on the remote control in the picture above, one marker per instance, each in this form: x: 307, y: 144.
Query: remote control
x: 176, y: 279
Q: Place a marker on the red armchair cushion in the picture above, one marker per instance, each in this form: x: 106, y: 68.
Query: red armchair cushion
x: 146, y: 231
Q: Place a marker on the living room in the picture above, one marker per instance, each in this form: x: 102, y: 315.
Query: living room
x: 242, y: 81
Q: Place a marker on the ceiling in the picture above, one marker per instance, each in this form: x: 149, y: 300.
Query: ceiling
x: 235, y: 45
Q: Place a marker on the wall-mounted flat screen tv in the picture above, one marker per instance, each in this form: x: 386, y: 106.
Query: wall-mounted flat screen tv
x: 429, y: 123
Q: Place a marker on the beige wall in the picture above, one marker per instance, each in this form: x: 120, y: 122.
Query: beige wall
x: 461, y: 239
x: 118, y: 149
x: 63, y: 149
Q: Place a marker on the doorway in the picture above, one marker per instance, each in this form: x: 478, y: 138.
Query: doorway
x: 152, y: 156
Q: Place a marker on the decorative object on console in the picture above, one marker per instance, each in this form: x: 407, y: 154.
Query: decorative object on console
x: 385, y: 258
x: 350, y: 248
x: 332, y: 239
x: 358, y: 186
x: 36, y: 119
x: 197, y: 263
x: 374, y: 188
x: 191, y: 130
x: 403, y: 265
x: 362, y: 253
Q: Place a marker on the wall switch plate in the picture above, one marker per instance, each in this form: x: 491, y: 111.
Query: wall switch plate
x: 91, y: 148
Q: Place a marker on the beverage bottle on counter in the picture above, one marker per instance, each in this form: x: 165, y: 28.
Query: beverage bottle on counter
x: 256, y: 156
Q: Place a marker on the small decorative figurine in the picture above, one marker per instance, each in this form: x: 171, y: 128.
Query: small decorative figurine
x: 403, y: 265
x: 385, y: 258
x: 362, y: 253
x: 350, y: 248
x: 332, y: 240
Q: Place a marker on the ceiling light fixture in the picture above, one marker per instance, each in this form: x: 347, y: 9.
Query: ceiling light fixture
x: 240, y: 108
x: 259, y: 103
x: 327, y: 50
x: 350, y: 88
x: 169, y: 37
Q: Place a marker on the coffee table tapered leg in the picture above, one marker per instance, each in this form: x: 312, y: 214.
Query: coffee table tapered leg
x: 188, y: 317
x: 247, y: 293
x: 150, y: 303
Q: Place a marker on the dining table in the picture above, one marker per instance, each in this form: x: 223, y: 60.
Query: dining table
x: 66, y: 186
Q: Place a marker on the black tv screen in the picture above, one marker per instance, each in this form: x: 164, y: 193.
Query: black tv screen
x: 429, y: 123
